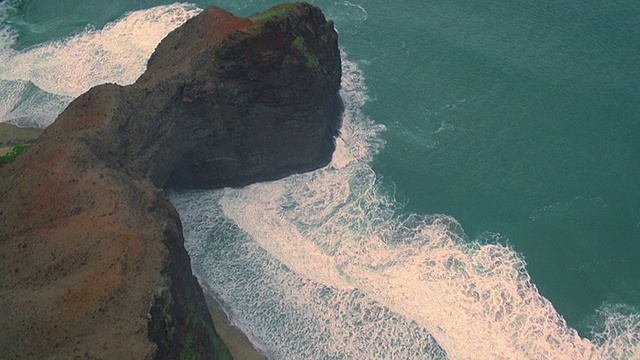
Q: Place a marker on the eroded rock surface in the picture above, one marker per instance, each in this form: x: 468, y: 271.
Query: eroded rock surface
x: 92, y: 262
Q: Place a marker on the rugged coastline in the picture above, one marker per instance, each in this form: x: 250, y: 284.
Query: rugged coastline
x: 92, y: 260
x: 239, y: 345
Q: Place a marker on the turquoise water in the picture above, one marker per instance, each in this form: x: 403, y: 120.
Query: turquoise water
x: 478, y: 137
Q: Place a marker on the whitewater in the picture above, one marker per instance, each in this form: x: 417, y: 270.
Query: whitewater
x: 327, y: 264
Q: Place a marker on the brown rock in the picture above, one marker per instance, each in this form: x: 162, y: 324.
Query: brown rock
x: 92, y: 263
x: 11, y: 135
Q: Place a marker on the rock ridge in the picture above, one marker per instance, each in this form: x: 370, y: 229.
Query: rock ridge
x: 92, y: 261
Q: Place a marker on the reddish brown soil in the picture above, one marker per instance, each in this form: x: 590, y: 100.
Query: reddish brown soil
x: 92, y: 262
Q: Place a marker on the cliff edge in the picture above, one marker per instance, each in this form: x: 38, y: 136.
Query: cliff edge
x: 92, y: 262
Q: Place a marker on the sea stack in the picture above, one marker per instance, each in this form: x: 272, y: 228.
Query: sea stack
x: 92, y: 262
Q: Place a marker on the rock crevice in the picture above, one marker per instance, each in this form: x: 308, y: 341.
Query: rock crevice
x: 92, y: 262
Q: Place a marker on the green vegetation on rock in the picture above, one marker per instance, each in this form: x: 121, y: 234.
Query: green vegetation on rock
x: 190, y: 346
x: 9, y: 157
x: 274, y: 11
x: 312, y: 60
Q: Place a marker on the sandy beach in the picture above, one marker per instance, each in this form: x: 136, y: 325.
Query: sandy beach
x: 237, y: 342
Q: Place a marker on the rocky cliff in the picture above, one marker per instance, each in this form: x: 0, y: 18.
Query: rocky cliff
x: 92, y: 263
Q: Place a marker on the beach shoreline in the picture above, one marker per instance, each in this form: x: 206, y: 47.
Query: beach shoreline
x: 236, y: 341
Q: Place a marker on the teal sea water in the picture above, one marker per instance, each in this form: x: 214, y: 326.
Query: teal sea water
x: 483, y: 201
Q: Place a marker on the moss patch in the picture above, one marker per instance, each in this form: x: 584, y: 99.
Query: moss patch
x: 271, y: 13
x: 13, y: 154
x: 301, y: 46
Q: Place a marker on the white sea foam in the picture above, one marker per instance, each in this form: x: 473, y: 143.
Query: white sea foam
x: 7, y: 34
x: 321, y: 265
x: 345, y: 11
x: 617, y: 332
x: 25, y: 105
x: 117, y: 53
x: 50, y: 75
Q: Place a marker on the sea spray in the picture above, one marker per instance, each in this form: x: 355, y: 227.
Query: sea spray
x: 117, y: 53
x: 325, y: 265
x: 7, y: 33
x: 40, y: 81
x: 301, y: 307
x: 26, y: 105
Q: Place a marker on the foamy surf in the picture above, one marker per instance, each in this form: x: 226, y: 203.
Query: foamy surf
x: 58, y: 71
x: 325, y: 266
x: 7, y: 34
x: 24, y: 104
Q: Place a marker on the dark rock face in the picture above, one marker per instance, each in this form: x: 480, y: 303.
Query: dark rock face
x: 92, y: 262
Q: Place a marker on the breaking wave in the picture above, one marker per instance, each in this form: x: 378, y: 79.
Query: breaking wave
x: 325, y: 265
x: 38, y: 82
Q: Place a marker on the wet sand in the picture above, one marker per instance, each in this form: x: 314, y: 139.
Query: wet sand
x: 238, y: 344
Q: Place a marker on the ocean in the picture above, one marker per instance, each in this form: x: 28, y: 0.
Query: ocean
x: 483, y: 201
